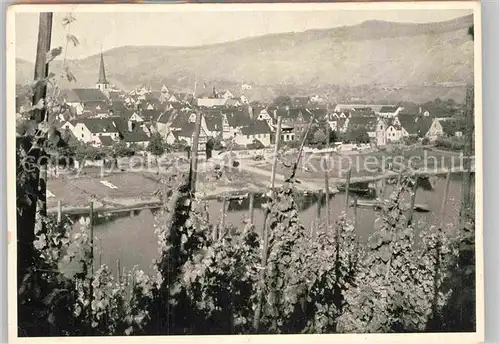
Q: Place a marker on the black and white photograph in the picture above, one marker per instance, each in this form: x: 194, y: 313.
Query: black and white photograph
x: 245, y: 169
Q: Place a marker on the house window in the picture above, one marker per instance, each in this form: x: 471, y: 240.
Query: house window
x: 381, y: 127
x: 82, y: 134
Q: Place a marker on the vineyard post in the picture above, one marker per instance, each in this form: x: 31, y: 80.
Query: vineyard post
x: 250, y: 207
x: 327, y: 202
x: 223, y: 219
x: 59, y: 211
x: 27, y: 219
x: 91, y: 287
x: 91, y: 228
x: 194, y: 153
x: 412, y: 202
x: 118, y: 277
x: 355, y: 211
x: 41, y: 72
x: 467, y: 168
x: 265, y: 234
x: 347, y: 182
x: 276, y: 148
x: 445, y: 198
x: 319, y: 197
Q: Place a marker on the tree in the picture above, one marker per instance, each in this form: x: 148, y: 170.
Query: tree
x: 358, y: 135
x: 156, y: 145
x: 120, y: 149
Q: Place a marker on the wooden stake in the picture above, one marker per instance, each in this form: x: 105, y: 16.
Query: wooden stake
x: 327, y: 202
x: 445, y: 199
x: 59, y: 211
x: 91, y: 287
x: 469, y: 142
x: 355, y: 212
x: 194, y: 153
x: 40, y: 92
x: 319, y: 197
x: 91, y: 228
x: 118, y: 271
x: 265, y: 235
x: 250, y: 207
x: 347, y: 182
x: 276, y: 148
x: 223, y: 219
x: 412, y: 202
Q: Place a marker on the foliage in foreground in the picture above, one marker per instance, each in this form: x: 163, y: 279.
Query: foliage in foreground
x: 321, y: 282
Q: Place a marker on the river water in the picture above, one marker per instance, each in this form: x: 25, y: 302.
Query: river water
x: 132, y: 240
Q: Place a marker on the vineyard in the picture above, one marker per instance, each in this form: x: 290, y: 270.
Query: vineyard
x: 216, y: 279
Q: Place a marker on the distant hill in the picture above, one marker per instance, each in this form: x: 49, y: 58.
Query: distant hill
x: 376, y: 54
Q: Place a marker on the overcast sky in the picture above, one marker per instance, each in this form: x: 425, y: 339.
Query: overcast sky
x: 111, y: 30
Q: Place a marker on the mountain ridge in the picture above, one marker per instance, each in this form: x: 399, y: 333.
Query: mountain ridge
x: 372, y: 53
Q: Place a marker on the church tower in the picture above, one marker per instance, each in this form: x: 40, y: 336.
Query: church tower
x: 102, y: 84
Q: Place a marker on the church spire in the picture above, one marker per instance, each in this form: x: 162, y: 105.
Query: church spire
x: 102, y: 72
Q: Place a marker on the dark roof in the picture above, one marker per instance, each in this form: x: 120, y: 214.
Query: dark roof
x: 166, y: 116
x: 214, y: 122
x: 99, y: 125
x: 257, y: 127
x: 85, y: 95
x: 135, y: 136
x: 452, y: 125
x: 237, y: 118
x: 388, y: 109
x: 93, y: 105
x: 150, y: 115
x: 364, y: 121
x: 293, y: 114
x: 416, y: 125
x: 115, y: 96
x: 106, y: 140
x: 178, y: 120
x: 121, y: 124
x: 186, y: 130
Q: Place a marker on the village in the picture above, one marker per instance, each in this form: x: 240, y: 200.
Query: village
x: 103, y: 116
x: 105, y: 123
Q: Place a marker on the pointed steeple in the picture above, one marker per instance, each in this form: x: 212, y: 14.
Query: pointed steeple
x: 102, y: 72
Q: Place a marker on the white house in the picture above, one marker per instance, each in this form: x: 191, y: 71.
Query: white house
x: 91, y: 130
x: 257, y: 131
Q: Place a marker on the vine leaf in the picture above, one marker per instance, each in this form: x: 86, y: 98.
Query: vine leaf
x: 52, y: 54
x: 68, y: 19
x: 69, y: 75
x: 71, y: 38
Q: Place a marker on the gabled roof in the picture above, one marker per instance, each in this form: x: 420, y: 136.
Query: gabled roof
x: 167, y: 116
x: 388, y: 109
x: 187, y: 130
x: 135, y: 136
x: 237, y: 118
x: 416, y: 125
x: 452, y: 125
x: 214, y: 122
x: 99, y: 125
x: 150, y: 115
x: 85, y: 95
x: 106, y: 140
x: 256, y: 127
x: 178, y: 120
x: 367, y: 122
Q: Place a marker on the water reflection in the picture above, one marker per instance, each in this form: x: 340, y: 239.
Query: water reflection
x: 131, y: 239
